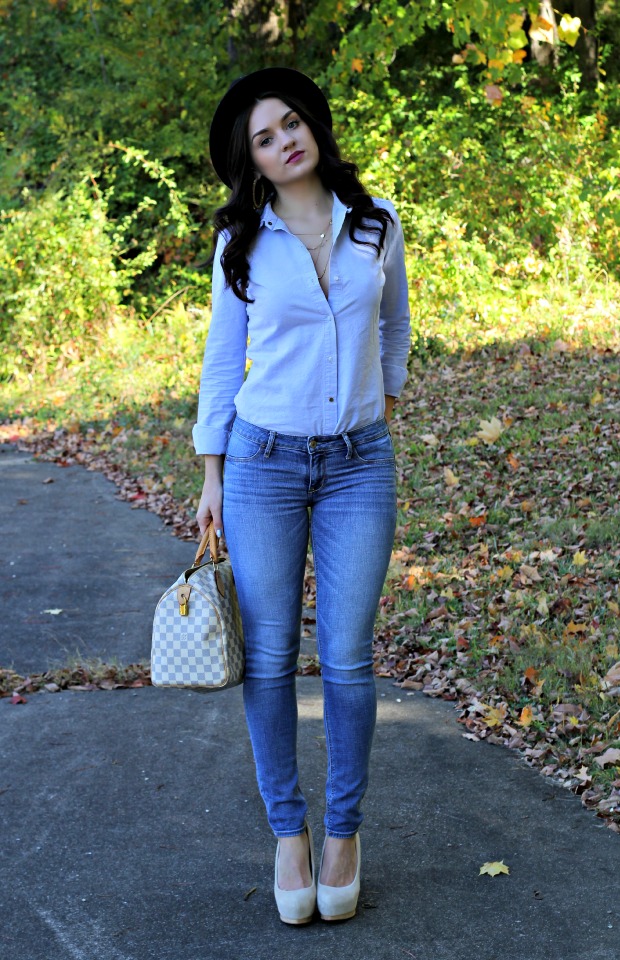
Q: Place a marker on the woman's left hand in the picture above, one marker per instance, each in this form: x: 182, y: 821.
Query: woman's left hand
x: 389, y: 406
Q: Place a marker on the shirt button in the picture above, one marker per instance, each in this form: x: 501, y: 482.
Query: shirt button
x: 331, y: 399
x: 330, y: 359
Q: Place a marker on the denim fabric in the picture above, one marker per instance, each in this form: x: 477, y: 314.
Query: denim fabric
x: 319, y: 365
x: 342, y: 490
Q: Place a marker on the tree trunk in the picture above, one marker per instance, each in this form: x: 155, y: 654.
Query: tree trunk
x: 546, y: 54
x: 587, y: 47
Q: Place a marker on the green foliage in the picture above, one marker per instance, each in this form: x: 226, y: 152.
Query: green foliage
x: 59, y: 284
x: 509, y: 210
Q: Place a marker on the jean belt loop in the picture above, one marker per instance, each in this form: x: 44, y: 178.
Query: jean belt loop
x: 270, y: 443
x: 345, y: 437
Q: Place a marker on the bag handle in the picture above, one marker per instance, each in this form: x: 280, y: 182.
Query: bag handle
x: 209, y: 539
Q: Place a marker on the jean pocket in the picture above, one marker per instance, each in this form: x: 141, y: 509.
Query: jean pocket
x: 242, y: 449
x: 378, y: 450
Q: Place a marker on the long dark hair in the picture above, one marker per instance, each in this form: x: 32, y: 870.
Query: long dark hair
x: 241, y: 220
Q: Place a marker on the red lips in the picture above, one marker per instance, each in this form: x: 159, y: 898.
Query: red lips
x: 294, y: 156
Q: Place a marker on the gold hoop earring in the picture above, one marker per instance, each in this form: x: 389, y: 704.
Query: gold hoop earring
x: 258, y: 203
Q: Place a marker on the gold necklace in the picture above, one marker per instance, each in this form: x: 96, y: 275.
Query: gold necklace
x: 315, y: 262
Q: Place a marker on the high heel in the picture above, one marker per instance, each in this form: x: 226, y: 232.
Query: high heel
x: 296, y: 906
x: 340, y: 903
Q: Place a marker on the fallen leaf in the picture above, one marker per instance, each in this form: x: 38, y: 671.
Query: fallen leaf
x: 438, y: 612
x: 478, y: 521
x: 17, y: 698
x: 526, y: 717
x: 53, y: 610
x: 430, y: 439
x: 495, y: 716
x: 450, y: 478
x: 580, y: 559
x: 613, y: 674
x: 490, y: 430
x: 494, y: 868
x: 548, y: 556
x: 612, y: 755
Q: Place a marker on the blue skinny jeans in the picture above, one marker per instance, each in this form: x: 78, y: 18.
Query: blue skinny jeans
x: 341, y: 490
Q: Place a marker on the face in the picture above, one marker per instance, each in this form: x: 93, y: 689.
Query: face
x: 282, y: 146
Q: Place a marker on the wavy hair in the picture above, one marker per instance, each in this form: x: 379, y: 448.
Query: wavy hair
x: 240, y: 220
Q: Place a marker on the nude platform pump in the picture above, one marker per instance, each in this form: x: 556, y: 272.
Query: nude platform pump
x: 340, y: 903
x: 296, y: 906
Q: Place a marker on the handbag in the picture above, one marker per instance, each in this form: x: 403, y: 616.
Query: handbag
x: 197, y: 632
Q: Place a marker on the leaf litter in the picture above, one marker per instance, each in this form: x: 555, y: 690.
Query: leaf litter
x: 502, y: 594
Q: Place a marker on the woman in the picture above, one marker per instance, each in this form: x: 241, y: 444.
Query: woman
x: 311, y: 269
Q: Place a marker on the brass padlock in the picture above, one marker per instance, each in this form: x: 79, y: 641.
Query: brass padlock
x: 183, y: 593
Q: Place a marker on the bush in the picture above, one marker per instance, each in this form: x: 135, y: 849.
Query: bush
x: 59, y: 282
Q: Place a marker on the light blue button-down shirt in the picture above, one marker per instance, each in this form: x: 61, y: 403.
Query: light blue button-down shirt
x: 320, y: 365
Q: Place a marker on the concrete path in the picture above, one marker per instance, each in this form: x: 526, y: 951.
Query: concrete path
x: 132, y: 828
x: 68, y: 544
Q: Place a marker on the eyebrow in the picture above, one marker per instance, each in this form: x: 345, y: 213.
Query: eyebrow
x: 266, y: 129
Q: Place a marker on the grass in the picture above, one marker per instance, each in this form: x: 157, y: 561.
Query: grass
x: 503, y: 588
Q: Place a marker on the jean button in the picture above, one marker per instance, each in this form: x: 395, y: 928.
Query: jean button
x: 312, y: 444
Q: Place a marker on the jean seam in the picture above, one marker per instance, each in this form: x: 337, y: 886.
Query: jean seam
x: 329, y: 796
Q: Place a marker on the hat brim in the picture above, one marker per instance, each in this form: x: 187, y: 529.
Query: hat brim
x: 245, y: 91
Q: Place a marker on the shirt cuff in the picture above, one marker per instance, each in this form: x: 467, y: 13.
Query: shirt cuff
x: 209, y: 440
x: 394, y: 379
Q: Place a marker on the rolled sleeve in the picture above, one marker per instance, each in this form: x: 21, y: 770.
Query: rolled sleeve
x: 223, y: 367
x: 394, y: 313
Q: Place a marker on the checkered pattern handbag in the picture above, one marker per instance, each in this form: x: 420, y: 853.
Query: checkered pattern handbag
x: 197, y: 633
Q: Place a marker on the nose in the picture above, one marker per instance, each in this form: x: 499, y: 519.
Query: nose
x: 288, y: 139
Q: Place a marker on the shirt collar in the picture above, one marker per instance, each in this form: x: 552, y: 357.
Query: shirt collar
x: 271, y: 220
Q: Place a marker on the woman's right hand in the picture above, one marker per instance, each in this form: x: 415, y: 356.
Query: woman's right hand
x: 210, y: 506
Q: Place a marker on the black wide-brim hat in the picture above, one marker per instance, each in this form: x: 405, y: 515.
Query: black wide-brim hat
x: 245, y: 91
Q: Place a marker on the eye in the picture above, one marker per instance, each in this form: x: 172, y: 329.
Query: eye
x: 293, y: 123
x: 264, y: 142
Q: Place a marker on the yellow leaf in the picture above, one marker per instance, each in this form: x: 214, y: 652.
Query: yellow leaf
x: 568, y: 30
x: 527, y: 506
x: 542, y: 607
x: 580, y: 559
x: 526, y: 717
x: 490, y: 430
x: 496, y: 64
x: 519, y: 56
x: 357, y: 65
x: 597, y: 397
x: 430, y: 439
x: 613, y: 606
x: 494, y: 868
x: 451, y: 480
x: 495, y: 716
